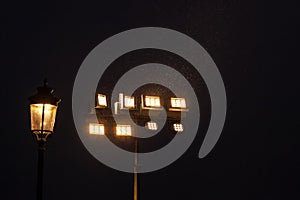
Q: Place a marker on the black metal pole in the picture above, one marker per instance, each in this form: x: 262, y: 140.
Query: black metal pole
x: 41, y: 150
x: 135, y: 174
x: 41, y: 139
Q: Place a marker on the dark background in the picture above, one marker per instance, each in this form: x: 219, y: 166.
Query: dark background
x: 254, y: 45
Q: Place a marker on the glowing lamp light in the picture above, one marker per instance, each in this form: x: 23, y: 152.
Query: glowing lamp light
x: 101, y: 100
x: 152, y: 126
x: 96, y: 129
x: 178, y: 103
x: 178, y: 127
x: 123, y: 130
x: 128, y: 102
x: 152, y: 101
x: 42, y: 118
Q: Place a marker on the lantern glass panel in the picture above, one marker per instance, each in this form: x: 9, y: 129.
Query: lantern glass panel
x: 36, y: 113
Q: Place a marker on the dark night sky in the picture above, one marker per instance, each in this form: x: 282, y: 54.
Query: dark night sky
x: 252, y: 43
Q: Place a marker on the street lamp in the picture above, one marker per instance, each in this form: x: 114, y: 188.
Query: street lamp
x: 43, y: 107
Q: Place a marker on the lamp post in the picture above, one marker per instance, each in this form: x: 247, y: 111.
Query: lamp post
x: 43, y: 107
x: 135, y: 175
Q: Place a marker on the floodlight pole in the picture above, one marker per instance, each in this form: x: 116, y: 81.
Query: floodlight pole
x: 135, y: 174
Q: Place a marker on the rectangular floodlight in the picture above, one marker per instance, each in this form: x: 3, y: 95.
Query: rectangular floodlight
x: 126, y: 102
x: 178, y: 103
x: 96, y: 129
x: 151, y: 102
x: 123, y: 130
x: 152, y: 125
x: 101, y: 100
x: 178, y: 127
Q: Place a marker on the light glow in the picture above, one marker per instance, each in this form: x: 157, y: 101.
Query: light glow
x: 178, y: 127
x: 101, y: 100
x: 128, y: 102
x: 96, y: 129
x: 36, y: 114
x: 152, y: 125
x: 152, y: 101
x: 178, y: 103
x: 123, y: 130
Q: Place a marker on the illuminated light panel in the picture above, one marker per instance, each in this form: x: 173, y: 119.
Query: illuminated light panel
x: 96, y: 129
x: 178, y: 127
x: 126, y: 101
x: 101, y: 100
x: 152, y: 101
x: 152, y: 126
x: 123, y: 130
x: 129, y: 102
x: 178, y: 103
